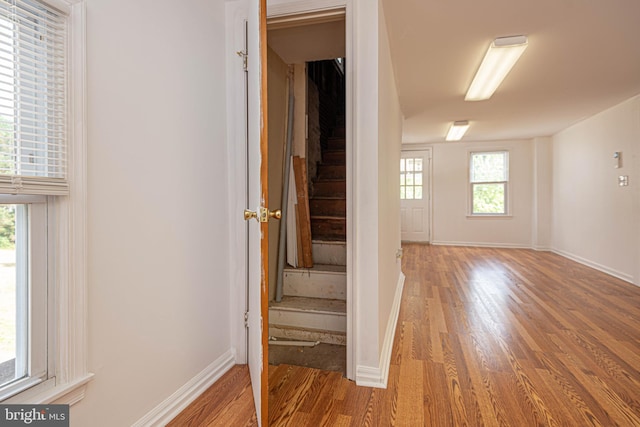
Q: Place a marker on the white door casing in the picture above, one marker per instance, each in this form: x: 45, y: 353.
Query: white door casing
x: 415, y: 195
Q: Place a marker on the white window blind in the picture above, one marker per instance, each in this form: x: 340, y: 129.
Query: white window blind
x: 33, y: 99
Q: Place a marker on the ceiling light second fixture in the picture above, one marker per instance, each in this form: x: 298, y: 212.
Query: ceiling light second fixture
x: 502, y: 55
x: 457, y: 130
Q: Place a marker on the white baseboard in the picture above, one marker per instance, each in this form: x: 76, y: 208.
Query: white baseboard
x: 378, y: 376
x: 482, y: 245
x: 174, y: 404
x: 366, y: 376
x: 618, y: 274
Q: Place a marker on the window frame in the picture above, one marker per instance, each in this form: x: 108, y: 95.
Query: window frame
x: 403, y: 174
x: 471, y: 185
x: 67, y: 215
x: 37, y: 284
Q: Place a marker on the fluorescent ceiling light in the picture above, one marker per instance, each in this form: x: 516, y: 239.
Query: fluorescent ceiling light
x: 457, y: 130
x: 498, y: 61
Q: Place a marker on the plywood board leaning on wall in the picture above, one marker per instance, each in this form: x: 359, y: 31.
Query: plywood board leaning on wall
x: 304, y: 222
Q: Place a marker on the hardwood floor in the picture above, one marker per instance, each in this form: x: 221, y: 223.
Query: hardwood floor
x: 229, y: 402
x: 488, y: 337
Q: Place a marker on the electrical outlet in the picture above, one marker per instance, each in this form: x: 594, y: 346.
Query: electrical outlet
x: 623, y: 180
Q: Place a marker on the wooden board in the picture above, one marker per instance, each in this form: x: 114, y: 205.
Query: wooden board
x: 298, y: 237
x: 304, y: 219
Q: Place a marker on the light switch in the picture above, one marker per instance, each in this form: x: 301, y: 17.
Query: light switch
x: 623, y: 180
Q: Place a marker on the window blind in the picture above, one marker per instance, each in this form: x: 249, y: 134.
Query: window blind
x: 33, y: 99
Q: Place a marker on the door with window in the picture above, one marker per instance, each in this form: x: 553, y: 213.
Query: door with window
x: 415, y: 195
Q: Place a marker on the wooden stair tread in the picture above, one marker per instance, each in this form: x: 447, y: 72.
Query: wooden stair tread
x: 328, y: 198
x: 329, y: 238
x: 334, y: 156
x: 306, y: 333
x: 325, y: 268
x: 305, y: 304
x: 322, y: 179
x: 301, y: 328
x: 329, y: 205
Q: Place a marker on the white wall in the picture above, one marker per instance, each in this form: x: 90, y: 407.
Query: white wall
x: 299, y: 144
x: 451, y: 224
x: 389, y: 147
x: 278, y: 100
x: 542, y: 193
x: 375, y: 215
x: 594, y: 220
x: 362, y: 156
x: 157, y: 175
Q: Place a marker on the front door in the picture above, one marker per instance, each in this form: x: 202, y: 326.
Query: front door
x: 415, y: 195
x: 258, y: 245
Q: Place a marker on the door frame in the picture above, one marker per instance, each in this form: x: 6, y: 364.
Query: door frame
x: 428, y: 150
x: 235, y: 14
x: 300, y: 13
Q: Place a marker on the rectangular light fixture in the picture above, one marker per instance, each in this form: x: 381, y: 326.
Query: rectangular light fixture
x: 502, y: 55
x: 457, y: 130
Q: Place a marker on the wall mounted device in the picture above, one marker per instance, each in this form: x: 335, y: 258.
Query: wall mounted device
x: 623, y: 180
x: 617, y: 159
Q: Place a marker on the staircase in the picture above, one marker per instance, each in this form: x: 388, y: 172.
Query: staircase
x: 313, y: 307
x: 328, y: 205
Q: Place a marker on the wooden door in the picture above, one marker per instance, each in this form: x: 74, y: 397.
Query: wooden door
x: 258, y: 245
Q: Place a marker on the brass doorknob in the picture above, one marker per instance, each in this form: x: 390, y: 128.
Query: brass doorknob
x: 277, y: 214
x: 249, y: 214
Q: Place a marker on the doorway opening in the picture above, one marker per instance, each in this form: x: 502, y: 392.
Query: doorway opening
x: 308, y: 266
x: 415, y: 194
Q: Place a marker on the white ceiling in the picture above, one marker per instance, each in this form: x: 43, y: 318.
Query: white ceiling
x: 583, y: 57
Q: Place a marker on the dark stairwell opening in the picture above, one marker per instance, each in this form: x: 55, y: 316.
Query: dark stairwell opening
x: 313, y: 308
x: 327, y: 150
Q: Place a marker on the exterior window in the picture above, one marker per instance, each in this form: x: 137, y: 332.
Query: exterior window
x: 489, y: 180
x: 411, y: 178
x: 23, y: 296
x: 33, y: 179
x: 14, y: 298
x: 43, y: 338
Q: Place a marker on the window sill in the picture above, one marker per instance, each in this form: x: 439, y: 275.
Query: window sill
x: 489, y: 216
x: 65, y: 394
